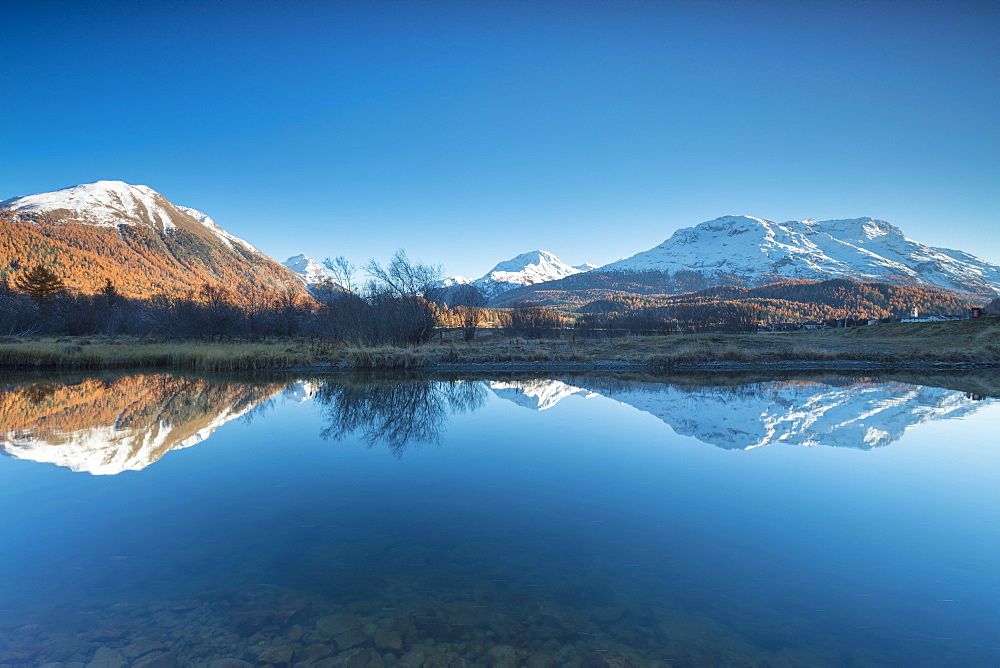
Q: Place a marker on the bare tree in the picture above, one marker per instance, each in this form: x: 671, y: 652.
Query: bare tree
x: 402, y: 277
x: 396, y: 293
x: 343, y: 272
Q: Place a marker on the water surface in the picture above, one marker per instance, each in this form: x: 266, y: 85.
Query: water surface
x: 576, y: 520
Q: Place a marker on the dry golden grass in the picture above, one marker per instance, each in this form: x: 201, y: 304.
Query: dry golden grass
x: 974, y: 342
x: 91, y: 353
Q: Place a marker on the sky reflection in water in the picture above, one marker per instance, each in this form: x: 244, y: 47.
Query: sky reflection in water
x: 613, y: 514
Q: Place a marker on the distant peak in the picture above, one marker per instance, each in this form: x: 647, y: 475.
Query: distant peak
x: 536, y: 255
x: 729, y: 221
x: 108, y: 186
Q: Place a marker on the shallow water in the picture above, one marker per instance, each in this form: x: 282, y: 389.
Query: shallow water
x: 169, y: 520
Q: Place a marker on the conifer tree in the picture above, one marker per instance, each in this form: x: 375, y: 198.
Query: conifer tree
x: 40, y: 283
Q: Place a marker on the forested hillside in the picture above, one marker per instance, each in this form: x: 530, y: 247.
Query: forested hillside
x: 740, y: 308
x: 139, y: 260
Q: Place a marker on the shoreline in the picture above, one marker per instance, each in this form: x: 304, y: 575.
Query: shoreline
x: 956, y: 345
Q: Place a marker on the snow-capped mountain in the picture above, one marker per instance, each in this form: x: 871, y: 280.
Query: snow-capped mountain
x: 587, y: 266
x: 835, y: 413
x: 113, y: 203
x: 311, y: 271
x: 526, y: 269
x: 134, y: 236
x: 757, y: 250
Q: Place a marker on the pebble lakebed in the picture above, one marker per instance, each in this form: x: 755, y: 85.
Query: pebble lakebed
x: 268, y: 625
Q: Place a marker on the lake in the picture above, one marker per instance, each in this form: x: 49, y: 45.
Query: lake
x: 158, y: 519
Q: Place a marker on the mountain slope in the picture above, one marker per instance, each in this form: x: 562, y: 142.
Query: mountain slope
x: 745, y: 309
x: 134, y: 237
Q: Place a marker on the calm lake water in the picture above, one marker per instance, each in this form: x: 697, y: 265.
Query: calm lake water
x: 157, y: 520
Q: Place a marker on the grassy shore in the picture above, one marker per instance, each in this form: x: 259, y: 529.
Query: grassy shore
x: 965, y: 342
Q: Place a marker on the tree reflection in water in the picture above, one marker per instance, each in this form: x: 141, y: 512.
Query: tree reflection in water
x: 396, y: 413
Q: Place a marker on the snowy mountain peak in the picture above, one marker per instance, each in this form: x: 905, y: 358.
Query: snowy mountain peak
x: 756, y: 251
x: 728, y: 222
x: 100, y: 203
x: 309, y: 269
x: 543, y: 260
x: 114, y: 203
x: 535, y: 266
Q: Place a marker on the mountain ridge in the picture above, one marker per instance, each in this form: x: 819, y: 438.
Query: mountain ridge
x: 867, y: 249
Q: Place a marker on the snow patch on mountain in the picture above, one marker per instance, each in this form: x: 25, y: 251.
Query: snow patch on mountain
x: 757, y: 250
x: 210, y: 223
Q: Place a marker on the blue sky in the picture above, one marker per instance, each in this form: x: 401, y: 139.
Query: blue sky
x: 470, y: 132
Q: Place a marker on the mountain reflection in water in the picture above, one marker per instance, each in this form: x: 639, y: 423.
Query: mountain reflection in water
x: 110, y: 425
x: 107, y: 426
x: 842, y: 412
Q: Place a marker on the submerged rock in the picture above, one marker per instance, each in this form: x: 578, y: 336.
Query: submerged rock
x: 250, y: 622
x: 354, y: 658
x: 607, y: 614
x: 440, y: 630
x: 165, y: 660
x: 278, y: 656
x: 606, y: 660
x: 540, y: 660
x: 105, y: 657
x: 346, y: 630
x: 503, y: 656
x: 386, y: 639
x: 412, y: 659
x: 229, y: 663
x: 313, y: 652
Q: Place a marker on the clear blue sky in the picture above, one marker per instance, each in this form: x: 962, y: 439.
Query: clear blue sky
x: 469, y: 132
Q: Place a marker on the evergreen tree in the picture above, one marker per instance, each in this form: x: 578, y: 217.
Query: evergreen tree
x: 110, y: 292
x: 40, y: 283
